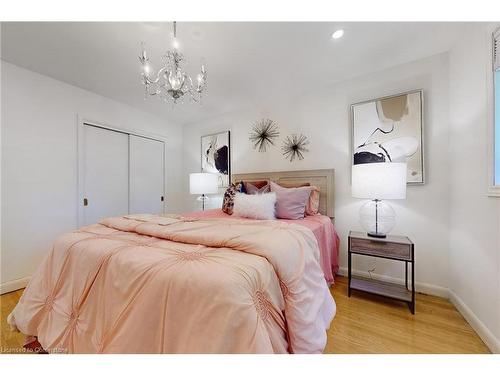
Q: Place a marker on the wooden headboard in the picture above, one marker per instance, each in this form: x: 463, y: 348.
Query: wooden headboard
x: 322, y: 178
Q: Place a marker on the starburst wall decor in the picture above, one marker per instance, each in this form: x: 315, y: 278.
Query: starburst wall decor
x: 263, y: 134
x: 294, y: 146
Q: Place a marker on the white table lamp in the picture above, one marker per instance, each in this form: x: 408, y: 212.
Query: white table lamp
x: 201, y: 184
x: 378, y: 181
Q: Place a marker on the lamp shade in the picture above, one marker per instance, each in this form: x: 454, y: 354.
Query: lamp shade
x: 203, y: 183
x: 379, y: 181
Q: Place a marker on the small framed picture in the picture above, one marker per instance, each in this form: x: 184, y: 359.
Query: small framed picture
x: 390, y: 129
x: 216, y: 156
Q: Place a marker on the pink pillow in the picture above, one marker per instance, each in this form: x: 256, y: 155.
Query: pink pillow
x: 257, y: 188
x: 291, y: 202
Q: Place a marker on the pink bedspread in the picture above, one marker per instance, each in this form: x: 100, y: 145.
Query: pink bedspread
x: 150, y: 284
x: 322, y: 228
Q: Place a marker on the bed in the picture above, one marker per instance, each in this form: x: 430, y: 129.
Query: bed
x: 196, y: 283
x: 320, y: 225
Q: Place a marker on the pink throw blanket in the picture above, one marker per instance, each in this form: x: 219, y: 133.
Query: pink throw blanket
x: 150, y: 284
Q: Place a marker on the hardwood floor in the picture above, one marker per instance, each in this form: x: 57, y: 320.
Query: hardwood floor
x: 364, y: 324
x: 9, y: 339
x: 370, y: 324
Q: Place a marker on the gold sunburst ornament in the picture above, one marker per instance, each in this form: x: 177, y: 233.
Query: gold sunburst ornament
x: 263, y: 134
x: 294, y: 146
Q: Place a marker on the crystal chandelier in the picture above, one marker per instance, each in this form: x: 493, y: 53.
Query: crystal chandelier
x: 171, y: 82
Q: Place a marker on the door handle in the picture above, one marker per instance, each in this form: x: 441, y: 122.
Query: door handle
x: 162, y: 199
x: 85, y: 202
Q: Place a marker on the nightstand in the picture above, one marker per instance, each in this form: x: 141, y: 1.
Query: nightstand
x: 398, y: 248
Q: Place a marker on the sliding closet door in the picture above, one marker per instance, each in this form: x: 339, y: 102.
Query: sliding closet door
x: 105, y: 174
x: 146, y: 175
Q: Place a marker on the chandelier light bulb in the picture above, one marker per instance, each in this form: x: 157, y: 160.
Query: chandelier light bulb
x: 174, y: 83
x: 143, y: 56
x: 175, y: 43
x: 337, y: 34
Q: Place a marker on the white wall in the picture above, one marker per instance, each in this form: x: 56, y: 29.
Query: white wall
x: 474, y: 217
x: 324, y: 117
x: 39, y: 160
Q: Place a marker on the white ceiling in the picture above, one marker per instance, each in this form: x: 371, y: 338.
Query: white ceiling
x: 247, y: 63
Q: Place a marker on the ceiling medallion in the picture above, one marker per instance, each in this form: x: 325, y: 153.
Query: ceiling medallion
x: 171, y: 82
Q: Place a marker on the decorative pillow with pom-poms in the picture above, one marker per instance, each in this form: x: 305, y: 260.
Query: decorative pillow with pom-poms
x: 228, y: 202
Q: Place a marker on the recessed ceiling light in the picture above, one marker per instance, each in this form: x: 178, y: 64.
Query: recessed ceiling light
x: 337, y: 34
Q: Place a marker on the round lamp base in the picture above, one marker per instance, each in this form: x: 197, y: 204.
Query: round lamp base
x: 377, y: 218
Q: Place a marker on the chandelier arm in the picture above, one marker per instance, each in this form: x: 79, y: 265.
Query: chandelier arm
x: 158, y: 76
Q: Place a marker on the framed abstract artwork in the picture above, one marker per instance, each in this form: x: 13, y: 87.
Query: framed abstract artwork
x: 390, y: 129
x: 216, y: 156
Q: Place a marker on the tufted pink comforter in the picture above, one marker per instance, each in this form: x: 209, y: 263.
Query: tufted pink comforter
x: 320, y: 225
x: 151, y: 284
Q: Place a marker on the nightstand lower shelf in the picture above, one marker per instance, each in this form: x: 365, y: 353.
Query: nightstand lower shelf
x: 381, y: 288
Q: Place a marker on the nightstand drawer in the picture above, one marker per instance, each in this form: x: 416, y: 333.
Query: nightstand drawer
x: 380, y: 248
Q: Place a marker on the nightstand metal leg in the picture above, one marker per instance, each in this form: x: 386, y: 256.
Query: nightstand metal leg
x: 406, y: 275
x: 349, y: 268
x: 413, y: 287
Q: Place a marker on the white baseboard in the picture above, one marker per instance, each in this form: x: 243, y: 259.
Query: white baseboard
x: 488, y: 338
x: 433, y: 290
x: 12, y: 285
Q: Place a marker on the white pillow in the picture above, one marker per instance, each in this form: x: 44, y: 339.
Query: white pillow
x: 259, y: 206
